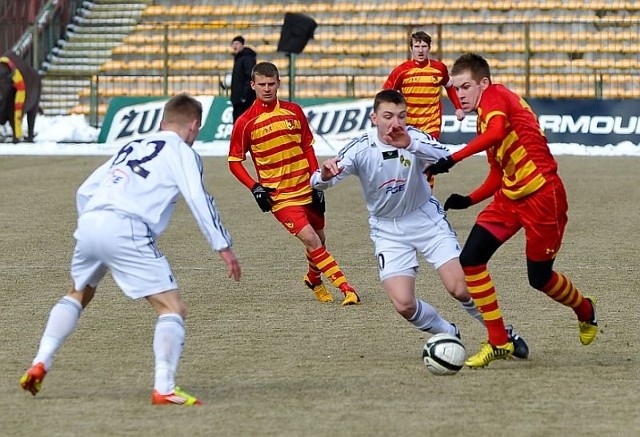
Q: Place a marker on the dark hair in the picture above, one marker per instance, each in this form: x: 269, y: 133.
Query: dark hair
x: 182, y: 108
x: 476, y: 64
x: 238, y: 38
x: 388, y: 96
x: 420, y: 36
x: 266, y: 69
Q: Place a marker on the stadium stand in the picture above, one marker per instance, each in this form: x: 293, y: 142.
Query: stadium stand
x: 547, y: 48
x: 70, y: 68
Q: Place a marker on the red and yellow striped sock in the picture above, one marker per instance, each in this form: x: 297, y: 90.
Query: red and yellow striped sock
x: 561, y: 289
x: 328, y: 266
x: 314, y: 272
x: 484, y: 294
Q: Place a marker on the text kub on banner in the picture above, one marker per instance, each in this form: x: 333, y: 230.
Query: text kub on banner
x: 297, y: 30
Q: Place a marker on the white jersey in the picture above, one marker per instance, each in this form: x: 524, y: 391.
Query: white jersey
x: 392, y: 179
x: 143, y: 181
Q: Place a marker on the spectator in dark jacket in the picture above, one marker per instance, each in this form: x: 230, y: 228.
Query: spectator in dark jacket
x: 242, y: 95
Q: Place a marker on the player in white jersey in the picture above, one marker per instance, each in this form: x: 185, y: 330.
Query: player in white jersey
x: 404, y: 217
x: 123, y: 207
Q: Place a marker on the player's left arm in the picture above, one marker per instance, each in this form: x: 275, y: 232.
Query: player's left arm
x: 188, y: 176
x: 306, y: 141
x: 425, y: 147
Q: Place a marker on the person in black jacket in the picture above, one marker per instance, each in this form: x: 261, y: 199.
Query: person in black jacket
x: 242, y: 95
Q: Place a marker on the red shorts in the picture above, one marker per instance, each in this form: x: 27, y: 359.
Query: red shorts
x: 543, y: 215
x: 294, y: 218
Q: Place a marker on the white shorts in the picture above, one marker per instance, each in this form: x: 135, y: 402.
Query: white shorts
x: 397, y: 241
x: 108, y: 240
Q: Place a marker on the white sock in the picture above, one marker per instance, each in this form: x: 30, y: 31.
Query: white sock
x: 428, y: 319
x: 63, y: 319
x: 471, y: 308
x: 168, y: 341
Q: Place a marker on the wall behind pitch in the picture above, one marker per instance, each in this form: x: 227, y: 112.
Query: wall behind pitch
x: 589, y: 122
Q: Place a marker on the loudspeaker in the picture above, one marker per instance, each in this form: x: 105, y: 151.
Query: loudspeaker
x: 297, y: 30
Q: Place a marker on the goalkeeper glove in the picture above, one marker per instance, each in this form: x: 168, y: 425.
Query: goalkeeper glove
x: 441, y: 166
x: 317, y: 201
x: 457, y: 201
x: 261, y: 194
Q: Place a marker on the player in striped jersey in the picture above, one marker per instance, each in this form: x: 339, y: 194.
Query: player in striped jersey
x: 420, y: 80
x: 404, y: 217
x: 123, y: 207
x: 527, y: 193
x: 278, y: 138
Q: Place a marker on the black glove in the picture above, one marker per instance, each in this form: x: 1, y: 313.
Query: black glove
x: 261, y: 195
x: 441, y: 166
x: 317, y: 201
x: 457, y: 201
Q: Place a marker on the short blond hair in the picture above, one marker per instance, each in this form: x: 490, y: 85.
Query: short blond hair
x: 182, y: 109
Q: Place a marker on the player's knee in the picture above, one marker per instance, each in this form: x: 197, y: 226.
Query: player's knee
x: 181, y: 308
x: 405, y: 308
x: 539, y: 273
x: 469, y: 258
x: 460, y: 292
x: 479, y: 247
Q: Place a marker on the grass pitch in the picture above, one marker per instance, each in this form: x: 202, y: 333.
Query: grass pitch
x: 268, y: 360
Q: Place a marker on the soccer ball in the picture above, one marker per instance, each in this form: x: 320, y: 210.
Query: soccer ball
x: 444, y: 354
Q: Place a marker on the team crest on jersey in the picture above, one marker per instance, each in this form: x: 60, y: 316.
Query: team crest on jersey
x: 404, y: 161
x: 290, y: 124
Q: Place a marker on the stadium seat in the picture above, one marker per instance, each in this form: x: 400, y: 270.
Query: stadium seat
x: 562, y: 45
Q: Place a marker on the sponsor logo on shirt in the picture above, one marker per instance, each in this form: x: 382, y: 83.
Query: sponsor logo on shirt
x: 393, y: 186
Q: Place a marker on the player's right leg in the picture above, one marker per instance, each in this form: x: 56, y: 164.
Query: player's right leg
x: 86, y: 271
x: 478, y: 249
x: 142, y: 271
x: 400, y: 289
x: 168, y: 342
x: 307, y: 225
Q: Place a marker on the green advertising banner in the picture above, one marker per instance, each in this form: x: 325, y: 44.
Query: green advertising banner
x: 131, y: 117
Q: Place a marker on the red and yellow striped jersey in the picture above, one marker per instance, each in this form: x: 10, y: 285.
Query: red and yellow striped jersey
x: 280, y: 142
x: 523, y: 153
x: 421, y: 85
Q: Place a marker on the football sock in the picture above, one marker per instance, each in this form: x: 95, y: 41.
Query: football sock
x: 328, y: 266
x: 314, y: 272
x: 561, y: 289
x: 63, y: 319
x: 428, y: 319
x: 168, y: 341
x: 471, y: 309
x: 484, y: 295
